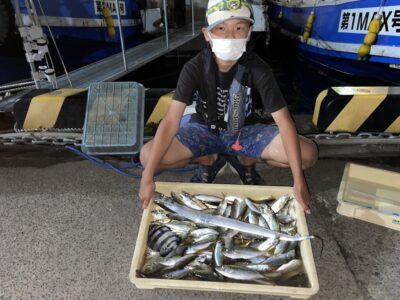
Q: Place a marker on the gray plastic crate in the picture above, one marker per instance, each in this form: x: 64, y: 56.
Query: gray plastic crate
x: 114, y: 118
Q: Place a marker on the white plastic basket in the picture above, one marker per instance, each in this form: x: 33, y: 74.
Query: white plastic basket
x: 114, y: 118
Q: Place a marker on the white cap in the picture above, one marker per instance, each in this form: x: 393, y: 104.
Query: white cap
x: 218, y: 11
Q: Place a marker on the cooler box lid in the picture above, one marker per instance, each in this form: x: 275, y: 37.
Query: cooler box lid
x: 370, y: 194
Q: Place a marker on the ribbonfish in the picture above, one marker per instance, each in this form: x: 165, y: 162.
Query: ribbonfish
x: 216, y: 220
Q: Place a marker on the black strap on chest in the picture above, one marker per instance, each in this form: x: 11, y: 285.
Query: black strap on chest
x: 209, y: 86
x: 210, y: 89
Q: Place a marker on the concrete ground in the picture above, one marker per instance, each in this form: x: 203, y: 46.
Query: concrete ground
x: 68, y: 231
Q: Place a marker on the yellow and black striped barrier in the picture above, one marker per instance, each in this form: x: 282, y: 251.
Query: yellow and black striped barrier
x: 161, y: 108
x: 63, y: 108
x: 358, y: 109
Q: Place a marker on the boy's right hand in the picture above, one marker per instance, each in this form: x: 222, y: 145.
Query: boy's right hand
x: 146, y: 191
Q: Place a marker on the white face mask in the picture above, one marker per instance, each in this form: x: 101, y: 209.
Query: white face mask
x: 228, y: 49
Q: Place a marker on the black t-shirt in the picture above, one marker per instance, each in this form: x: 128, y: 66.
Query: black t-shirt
x: 262, y: 83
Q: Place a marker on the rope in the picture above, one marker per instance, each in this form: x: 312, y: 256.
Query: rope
x: 119, y: 170
x: 55, y: 45
x: 381, y: 7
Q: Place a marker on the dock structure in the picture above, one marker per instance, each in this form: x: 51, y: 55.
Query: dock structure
x: 111, y: 68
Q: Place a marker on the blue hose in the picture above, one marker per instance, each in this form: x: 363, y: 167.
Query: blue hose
x: 119, y: 170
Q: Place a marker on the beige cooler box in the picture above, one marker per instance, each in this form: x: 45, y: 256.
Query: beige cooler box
x: 371, y: 195
x: 254, y: 192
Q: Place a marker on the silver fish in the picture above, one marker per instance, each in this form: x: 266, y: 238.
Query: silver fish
x: 231, y: 198
x: 208, y: 198
x: 206, y: 238
x: 266, y: 245
x: 266, y: 199
x: 177, y: 261
x: 291, y: 265
x: 200, y: 267
x: 291, y: 246
x: 228, y: 236
x: 287, y: 275
x: 205, y: 257
x: 284, y: 219
x: 285, y: 210
x: 197, y: 247
x: 251, y: 205
x: 203, y: 271
x: 228, y: 241
x: 239, y: 207
x: 203, y: 231
x: 242, y: 253
x: 257, y: 260
x: 246, y: 213
x: 179, y: 226
x: 210, y: 210
x: 269, y: 216
x: 227, y: 211
x: 150, y: 253
x: 152, y: 265
x: 191, y: 202
x: 259, y: 267
x: 292, y: 268
x: 176, y: 217
x: 281, y: 247
x: 218, y: 258
x: 231, y: 233
x: 199, y: 217
x: 291, y: 210
x: 279, y: 203
x: 289, y: 228
x: 239, y: 273
x: 177, y: 198
x: 222, y: 207
x: 159, y: 214
x: 253, y: 218
x: 161, y: 221
x: 263, y: 223
x: 280, y: 259
x: 177, y: 274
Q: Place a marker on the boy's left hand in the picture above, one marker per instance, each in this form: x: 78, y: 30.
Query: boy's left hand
x: 303, y: 196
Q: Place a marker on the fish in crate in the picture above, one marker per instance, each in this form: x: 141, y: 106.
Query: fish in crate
x: 227, y: 238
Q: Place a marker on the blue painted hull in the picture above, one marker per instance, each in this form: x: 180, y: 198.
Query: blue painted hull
x: 339, y: 29
x: 82, y: 20
x: 80, y: 32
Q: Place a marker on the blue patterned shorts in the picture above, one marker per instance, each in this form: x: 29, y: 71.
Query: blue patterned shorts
x: 202, y: 141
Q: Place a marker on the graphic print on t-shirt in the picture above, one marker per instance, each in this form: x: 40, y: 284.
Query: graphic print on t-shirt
x: 221, y: 102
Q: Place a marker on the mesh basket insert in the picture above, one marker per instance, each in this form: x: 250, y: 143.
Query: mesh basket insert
x: 114, y: 118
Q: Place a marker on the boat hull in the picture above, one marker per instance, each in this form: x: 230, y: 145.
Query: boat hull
x: 338, y: 31
x: 80, y: 32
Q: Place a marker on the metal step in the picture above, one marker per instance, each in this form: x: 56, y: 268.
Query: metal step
x: 112, y: 68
